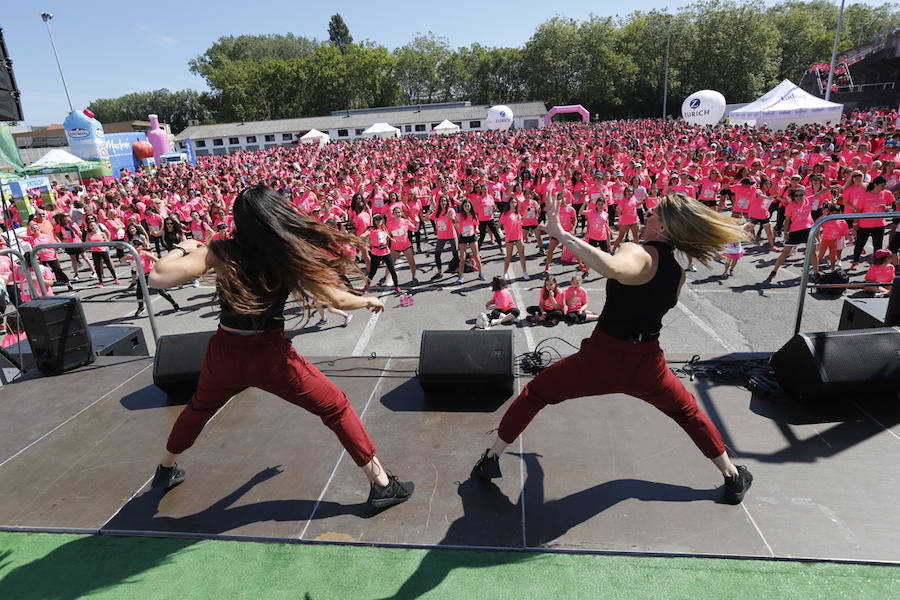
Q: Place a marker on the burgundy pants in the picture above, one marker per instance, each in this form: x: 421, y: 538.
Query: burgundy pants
x: 605, y: 365
x: 267, y: 361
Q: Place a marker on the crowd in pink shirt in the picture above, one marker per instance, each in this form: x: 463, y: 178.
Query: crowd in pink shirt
x: 608, y: 174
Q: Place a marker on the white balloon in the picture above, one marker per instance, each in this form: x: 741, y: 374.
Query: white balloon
x: 705, y: 107
x: 499, y: 117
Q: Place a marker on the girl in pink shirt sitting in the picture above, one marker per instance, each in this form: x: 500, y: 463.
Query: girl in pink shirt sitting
x: 881, y: 271
x: 502, y: 306
x: 550, y: 309
x: 576, y: 303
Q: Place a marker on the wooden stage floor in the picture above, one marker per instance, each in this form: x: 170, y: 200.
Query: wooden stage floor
x: 602, y: 474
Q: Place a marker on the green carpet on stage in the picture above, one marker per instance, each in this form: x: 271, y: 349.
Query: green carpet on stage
x: 62, y: 566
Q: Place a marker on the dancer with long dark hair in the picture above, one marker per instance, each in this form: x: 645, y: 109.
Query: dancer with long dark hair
x: 623, y: 354
x: 275, y: 252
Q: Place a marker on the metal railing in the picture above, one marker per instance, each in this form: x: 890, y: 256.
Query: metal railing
x: 810, y: 242
x: 142, y: 280
x: 27, y: 272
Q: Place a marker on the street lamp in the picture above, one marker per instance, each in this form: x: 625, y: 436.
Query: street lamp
x: 837, y: 35
x: 45, y: 16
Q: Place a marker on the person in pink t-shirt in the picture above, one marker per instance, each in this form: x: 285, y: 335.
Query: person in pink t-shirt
x: 379, y: 239
x: 502, y: 306
x: 551, y: 305
x: 511, y: 221
x: 834, y: 233
x: 798, y: 222
x: 530, y: 210
x: 577, y: 302
x: 567, y: 217
x: 467, y: 222
x: 628, y: 217
x: 599, y: 231
x: 400, y: 227
x: 874, y: 200
x: 881, y: 271
x: 147, y: 261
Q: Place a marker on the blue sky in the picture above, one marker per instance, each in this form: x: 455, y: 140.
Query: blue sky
x: 112, y: 48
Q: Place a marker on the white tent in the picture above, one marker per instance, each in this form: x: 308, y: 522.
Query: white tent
x: 56, y: 158
x: 785, y: 104
x: 314, y: 135
x: 381, y: 130
x: 446, y: 127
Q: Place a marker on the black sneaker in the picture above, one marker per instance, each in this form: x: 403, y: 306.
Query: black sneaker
x: 488, y: 467
x: 737, y: 486
x: 393, y: 493
x: 167, y: 477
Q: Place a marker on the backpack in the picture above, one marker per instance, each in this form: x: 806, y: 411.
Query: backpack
x: 836, y: 276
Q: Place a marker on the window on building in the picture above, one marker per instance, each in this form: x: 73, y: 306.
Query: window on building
x: 270, y: 138
x: 342, y: 133
x: 359, y: 131
x: 433, y: 125
x: 408, y: 128
x: 251, y: 139
x: 219, y: 142
x: 253, y: 148
x: 233, y: 141
x: 200, y: 143
x: 287, y: 136
x: 458, y: 124
x: 420, y: 127
x: 474, y: 124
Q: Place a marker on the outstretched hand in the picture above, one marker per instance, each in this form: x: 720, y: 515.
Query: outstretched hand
x: 374, y: 304
x: 552, y: 226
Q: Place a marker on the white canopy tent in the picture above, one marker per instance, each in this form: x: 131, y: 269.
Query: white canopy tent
x: 57, y: 158
x: 446, y: 126
x: 314, y: 135
x: 786, y: 104
x: 381, y: 130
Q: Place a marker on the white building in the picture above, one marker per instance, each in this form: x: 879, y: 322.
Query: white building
x: 419, y: 120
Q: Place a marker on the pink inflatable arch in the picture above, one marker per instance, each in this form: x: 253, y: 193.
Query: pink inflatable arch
x: 572, y: 108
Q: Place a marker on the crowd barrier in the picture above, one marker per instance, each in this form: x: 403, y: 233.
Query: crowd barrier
x: 804, y: 276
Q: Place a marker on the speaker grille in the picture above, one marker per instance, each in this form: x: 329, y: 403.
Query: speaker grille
x: 858, y: 355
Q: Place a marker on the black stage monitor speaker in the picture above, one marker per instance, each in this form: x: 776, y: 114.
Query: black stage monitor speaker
x: 836, y: 364
x: 57, y: 333
x: 10, y: 105
x: 179, y: 358
x: 479, y: 361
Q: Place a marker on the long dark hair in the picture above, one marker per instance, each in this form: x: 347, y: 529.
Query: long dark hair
x: 276, y: 249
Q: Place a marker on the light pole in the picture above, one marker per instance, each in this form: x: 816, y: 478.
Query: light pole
x: 45, y: 16
x: 666, y: 80
x: 837, y: 35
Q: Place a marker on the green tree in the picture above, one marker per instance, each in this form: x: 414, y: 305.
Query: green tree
x: 735, y: 52
x: 555, y: 61
x: 371, y: 72
x: 339, y: 33
x: 229, y: 49
x: 418, y: 65
x: 174, y: 108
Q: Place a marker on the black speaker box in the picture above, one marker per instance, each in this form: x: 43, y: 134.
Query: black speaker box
x: 57, y: 333
x: 179, y: 358
x: 838, y: 364
x: 119, y: 341
x: 10, y: 104
x: 477, y: 361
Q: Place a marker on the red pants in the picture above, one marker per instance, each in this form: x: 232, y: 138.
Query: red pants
x: 605, y: 365
x: 267, y: 361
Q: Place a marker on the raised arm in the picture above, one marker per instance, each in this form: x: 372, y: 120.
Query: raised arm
x: 631, y: 265
x: 188, y: 260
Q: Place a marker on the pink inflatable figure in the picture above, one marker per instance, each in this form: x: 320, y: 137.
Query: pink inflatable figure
x: 158, y: 139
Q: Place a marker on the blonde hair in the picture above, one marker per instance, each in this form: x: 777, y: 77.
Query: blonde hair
x: 696, y: 230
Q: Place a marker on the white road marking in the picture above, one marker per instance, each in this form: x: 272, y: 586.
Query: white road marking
x: 705, y: 327
x: 366, y: 334
x: 343, y: 451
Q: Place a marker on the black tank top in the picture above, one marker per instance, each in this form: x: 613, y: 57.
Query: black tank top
x: 635, y: 309
x: 271, y: 319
